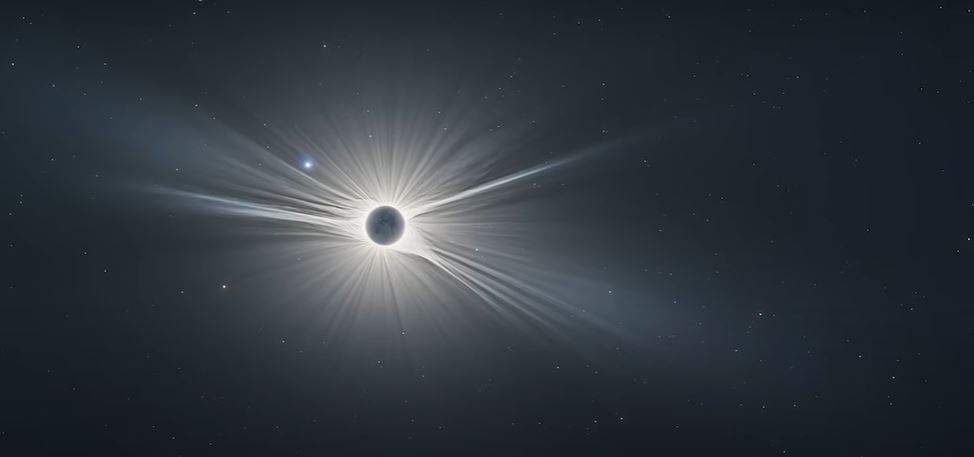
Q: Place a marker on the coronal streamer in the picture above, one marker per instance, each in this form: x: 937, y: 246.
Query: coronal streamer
x: 465, y: 225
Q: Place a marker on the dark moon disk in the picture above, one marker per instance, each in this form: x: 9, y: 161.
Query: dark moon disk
x: 385, y: 225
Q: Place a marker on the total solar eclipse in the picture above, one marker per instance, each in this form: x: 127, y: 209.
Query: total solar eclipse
x: 566, y: 228
x: 385, y: 225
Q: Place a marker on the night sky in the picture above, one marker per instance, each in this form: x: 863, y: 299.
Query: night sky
x: 745, y: 229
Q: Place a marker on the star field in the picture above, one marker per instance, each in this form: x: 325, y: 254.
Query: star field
x: 650, y: 228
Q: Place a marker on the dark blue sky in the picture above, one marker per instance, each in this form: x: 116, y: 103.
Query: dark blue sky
x: 779, y: 200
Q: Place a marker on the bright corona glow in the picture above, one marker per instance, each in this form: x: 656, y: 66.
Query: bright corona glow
x: 412, y: 214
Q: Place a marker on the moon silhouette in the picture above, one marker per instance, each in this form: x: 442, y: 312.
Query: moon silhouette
x: 385, y: 225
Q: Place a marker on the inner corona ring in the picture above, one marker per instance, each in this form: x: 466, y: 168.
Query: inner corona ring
x: 385, y: 225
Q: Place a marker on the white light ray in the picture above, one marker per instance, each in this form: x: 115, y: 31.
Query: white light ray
x: 461, y: 219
